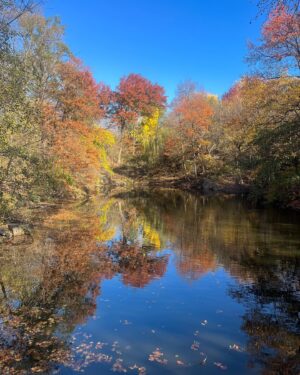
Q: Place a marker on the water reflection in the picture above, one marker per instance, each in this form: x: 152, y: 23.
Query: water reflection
x: 170, y: 246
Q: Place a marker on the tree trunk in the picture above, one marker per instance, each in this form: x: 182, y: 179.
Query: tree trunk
x: 120, y: 154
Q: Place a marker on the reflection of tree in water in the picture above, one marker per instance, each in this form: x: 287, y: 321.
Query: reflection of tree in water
x: 168, y: 215
x: 272, y: 303
x: 258, y: 248
x: 51, y: 286
x: 138, y: 266
x: 61, y: 285
x: 134, y: 254
x: 196, y: 266
x: 201, y: 229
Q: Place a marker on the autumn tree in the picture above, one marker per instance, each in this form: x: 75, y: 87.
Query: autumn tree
x: 279, y: 48
x: 43, y: 49
x: 135, y: 99
x: 10, y: 12
x: 75, y: 138
x: 276, y: 142
x: 189, y: 122
x: 260, y: 132
x: 50, y: 135
x: 185, y: 89
x: 268, y: 5
x: 236, y: 122
x: 22, y: 164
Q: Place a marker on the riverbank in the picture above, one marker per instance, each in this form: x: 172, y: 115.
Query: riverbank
x: 133, y: 176
x: 128, y: 177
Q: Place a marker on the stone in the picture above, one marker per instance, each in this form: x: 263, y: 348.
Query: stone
x: 16, y: 230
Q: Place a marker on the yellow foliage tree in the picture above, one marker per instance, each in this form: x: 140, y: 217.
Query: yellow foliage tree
x: 149, y: 129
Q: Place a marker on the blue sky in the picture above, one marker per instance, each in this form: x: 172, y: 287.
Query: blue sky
x: 167, y: 41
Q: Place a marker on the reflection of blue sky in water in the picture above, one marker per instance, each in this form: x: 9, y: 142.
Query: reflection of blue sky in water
x: 167, y: 314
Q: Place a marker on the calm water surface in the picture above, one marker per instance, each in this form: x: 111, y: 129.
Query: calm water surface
x: 153, y: 283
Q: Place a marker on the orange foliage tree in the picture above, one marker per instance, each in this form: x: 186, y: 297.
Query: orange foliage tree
x: 190, y: 121
x: 73, y: 122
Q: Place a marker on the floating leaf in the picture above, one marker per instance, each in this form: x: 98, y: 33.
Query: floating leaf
x: 157, y: 356
x: 220, y: 366
x: 195, y: 345
x: 236, y: 348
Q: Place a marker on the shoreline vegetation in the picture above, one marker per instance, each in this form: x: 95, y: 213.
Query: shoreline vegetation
x: 66, y: 137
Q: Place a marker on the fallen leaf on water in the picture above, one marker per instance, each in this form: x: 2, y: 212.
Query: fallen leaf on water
x: 99, y: 345
x: 114, y: 346
x: 157, y: 356
x: 203, y: 361
x: 195, y: 345
x: 220, y: 365
x: 118, y: 366
x: 141, y: 370
x: 235, y: 347
x: 125, y: 322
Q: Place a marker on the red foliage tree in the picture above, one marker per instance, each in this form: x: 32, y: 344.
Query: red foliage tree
x: 281, y: 39
x: 137, y: 96
x: 134, y: 98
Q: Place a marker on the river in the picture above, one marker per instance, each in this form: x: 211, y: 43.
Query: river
x: 160, y: 282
